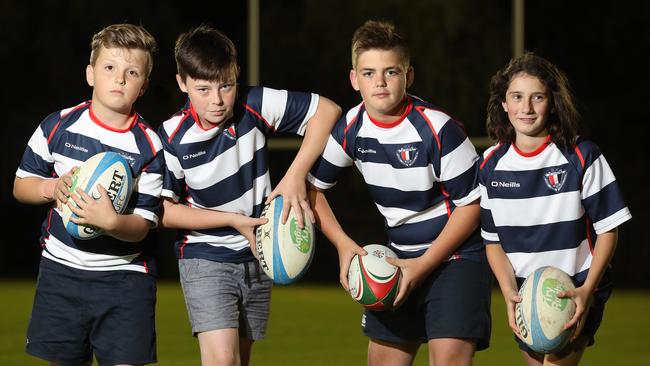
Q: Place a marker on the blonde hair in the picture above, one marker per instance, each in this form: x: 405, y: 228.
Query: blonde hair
x: 378, y: 35
x: 126, y: 36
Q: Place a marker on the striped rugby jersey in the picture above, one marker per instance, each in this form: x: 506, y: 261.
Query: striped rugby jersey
x: 547, y: 206
x: 225, y: 168
x: 418, y: 169
x: 66, y: 139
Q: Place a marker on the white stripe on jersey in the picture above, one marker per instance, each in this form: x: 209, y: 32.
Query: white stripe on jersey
x: 403, y: 133
x: 410, y: 248
x: 490, y: 236
x: 59, y: 252
x: 552, y: 209
x: 396, y: 216
x: 228, y: 163
x: 63, y: 164
x: 597, y: 176
x: 149, y: 183
x: 87, y: 127
x: 173, y: 165
x: 38, y: 144
x: 244, y: 204
x: 319, y: 183
x: 148, y: 215
x: 513, y: 162
x: 614, y: 220
x: 437, y: 119
x: 232, y: 242
x: 408, y: 179
x: 274, y: 103
x: 571, y: 261
x: 194, y: 133
x: 313, y: 105
x: 458, y: 161
x: 471, y: 197
x: 335, y: 154
x: 169, y: 194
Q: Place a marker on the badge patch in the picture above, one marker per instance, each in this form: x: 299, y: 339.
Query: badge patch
x: 230, y: 133
x: 555, y: 179
x: 407, y: 155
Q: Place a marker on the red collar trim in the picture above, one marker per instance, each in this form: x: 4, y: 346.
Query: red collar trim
x: 94, y: 118
x: 535, y: 152
x: 381, y: 124
x: 198, y: 121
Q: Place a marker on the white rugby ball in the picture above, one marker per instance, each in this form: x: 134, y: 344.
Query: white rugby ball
x: 110, y: 170
x: 283, y: 250
x: 372, y: 281
x: 541, y: 315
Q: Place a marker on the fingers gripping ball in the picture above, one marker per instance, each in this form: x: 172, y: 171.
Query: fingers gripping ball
x: 283, y: 250
x: 110, y: 170
x: 372, y: 281
x: 541, y: 315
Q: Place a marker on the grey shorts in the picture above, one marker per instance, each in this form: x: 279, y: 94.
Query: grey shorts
x: 226, y: 295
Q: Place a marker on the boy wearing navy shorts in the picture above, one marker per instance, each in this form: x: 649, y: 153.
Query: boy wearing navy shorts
x: 421, y: 170
x: 97, y: 296
x: 217, y: 182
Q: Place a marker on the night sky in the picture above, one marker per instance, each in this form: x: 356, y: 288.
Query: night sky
x: 456, y: 47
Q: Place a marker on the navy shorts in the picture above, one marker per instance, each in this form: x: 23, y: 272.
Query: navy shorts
x: 78, y: 313
x: 453, y: 302
x: 594, y: 317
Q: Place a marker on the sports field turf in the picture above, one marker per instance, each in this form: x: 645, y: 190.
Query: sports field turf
x: 319, y: 325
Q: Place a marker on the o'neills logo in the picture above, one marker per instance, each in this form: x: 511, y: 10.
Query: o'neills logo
x: 505, y: 184
x: 75, y: 147
x: 192, y: 156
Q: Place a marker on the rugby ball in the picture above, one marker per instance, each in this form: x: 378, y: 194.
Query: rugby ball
x: 110, y: 170
x: 283, y: 250
x: 372, y: 281
x: 541, y: 315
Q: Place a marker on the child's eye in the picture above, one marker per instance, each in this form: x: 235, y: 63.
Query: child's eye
x: 366, y: 74
x: 226, y: 87
x: 134, y: 73
x: 392, y: 73
x: 108, y: 67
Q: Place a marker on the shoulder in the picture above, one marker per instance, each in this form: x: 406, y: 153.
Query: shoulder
x: 491, y: 156
x: 170, y: 128
x: 434, y: 116
x: 584, y: 151
x: 150, y: 134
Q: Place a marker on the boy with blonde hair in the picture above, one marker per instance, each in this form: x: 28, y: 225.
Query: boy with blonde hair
x: 420, y: 168
x: 96, y: 296
x: 217, y: 182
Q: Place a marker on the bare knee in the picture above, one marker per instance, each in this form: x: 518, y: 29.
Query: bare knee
x: 384, y: 353
x: 451, y: 351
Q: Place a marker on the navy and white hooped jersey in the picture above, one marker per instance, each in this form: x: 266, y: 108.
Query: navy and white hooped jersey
x: 66, y: 139
x: 546, y: 207
x: 418, y: 170
x: 225, y: 168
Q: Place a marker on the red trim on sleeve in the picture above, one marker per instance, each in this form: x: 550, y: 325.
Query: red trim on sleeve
x: 186, y: 113
x: 345, y: 131
x: 143, y: 127
x: 250, y: 109
x: 490, y: 155
x: 582, y: 159
x: 56, y: 127
x: 435, y: 134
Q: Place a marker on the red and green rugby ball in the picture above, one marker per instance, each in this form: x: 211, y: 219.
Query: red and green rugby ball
x: 372, y: 281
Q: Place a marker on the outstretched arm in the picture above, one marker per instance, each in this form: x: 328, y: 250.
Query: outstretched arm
x: 293, y: 187
x: 461, y: 223
x: 330, y: 227
x: 178, y: 216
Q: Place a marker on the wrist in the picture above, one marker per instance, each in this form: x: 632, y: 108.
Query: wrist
x: 47, y: 188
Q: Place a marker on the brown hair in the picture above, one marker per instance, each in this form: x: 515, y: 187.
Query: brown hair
x: 563, y: 121
x: 127, y: 36
x: 205, y: 53
x: 378, y: 35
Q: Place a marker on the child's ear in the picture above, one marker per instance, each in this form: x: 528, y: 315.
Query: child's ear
x: 181, y: 83
x: 505, y: 106
x: 144, y: 88
x: 353, y: 80
x: 90, y: 75
x: 410, y: 76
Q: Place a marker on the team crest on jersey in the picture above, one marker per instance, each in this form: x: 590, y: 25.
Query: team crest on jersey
x: 407, y: 155
x: 555, y: 179
x: 230, y: 132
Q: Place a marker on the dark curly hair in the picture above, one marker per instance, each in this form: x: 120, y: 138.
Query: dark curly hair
x: 563, y: 121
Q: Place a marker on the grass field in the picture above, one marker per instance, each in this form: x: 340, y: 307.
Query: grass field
x: 319, y: 325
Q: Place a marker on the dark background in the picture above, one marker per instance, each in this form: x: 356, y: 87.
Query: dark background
x: 305, y: 45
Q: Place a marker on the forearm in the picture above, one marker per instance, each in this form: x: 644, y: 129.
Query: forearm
x: 325, y: 219
x: 461, y: 224
x: 34, y: 190
x: 131, y: 228
x: 179, y: 216
x: 318, y: 130
x: 603, y: 253
x: 502, y: 268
